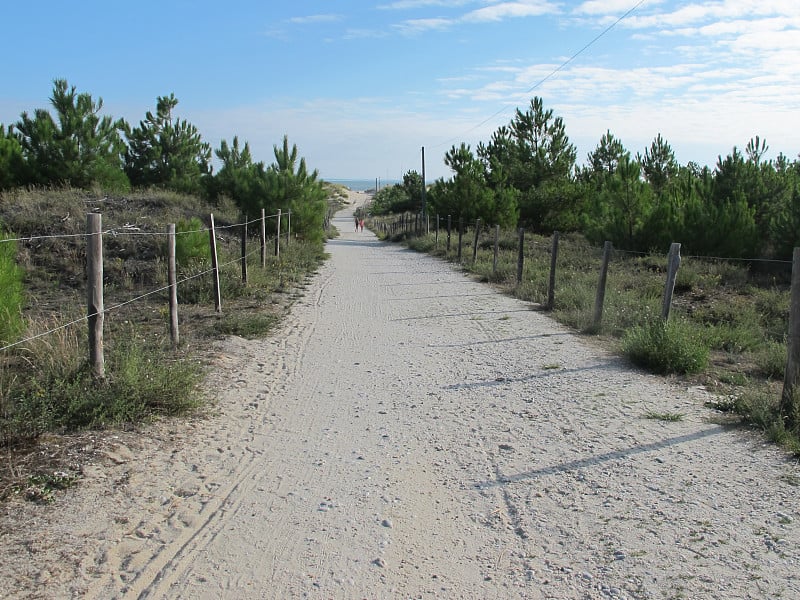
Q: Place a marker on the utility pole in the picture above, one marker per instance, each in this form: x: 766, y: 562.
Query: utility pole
x: 423, y: 182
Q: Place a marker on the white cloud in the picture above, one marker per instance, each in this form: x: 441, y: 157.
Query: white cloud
x: 355, y: 34
x: 504, y: 10
x: 415, y: 26
x: 327, y: 18
x: 408, y: 4
x: 608, y: 7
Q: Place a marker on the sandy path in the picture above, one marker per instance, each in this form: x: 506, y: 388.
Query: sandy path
x: 413, y: 434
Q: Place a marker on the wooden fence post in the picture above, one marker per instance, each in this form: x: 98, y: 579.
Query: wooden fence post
x: 244, y: 249
x: 601, y: 287
x: 215, y: 266
x: 789, y: 408
x: 172, y: 276
x: 263, y: 239
x: 288, y: 226
x: 460, y: 236
x: 278, y: 236
x: 520, y: 255
x: 449, y: 228
x: 496, y: 247
x: 673, y: 262
x: 551, y: 288
x: 436, y: 235
x: 96, y: 317
x: 475, y: 243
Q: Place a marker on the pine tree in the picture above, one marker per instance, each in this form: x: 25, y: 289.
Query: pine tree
x: 165, y: 151
x: 605, y: 159
x: 658, y: 164
x: 542, y: 150
x: 290, y: 185
x: 77, y: 147
x: 11, y: 162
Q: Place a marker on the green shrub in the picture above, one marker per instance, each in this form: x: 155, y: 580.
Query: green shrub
x: 11, y: 297
x: 141, y: 383
x: 249, y: 326
x: 191, y: 242
x: 666, y: 347
x: 771, y: 359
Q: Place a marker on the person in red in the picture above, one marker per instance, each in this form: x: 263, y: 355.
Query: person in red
x: 361, y: 224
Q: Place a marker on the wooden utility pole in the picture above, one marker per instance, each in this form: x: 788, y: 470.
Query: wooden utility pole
x: 424, y: 209
x: 520, y: 255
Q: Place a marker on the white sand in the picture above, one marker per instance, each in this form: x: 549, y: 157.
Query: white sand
x: 412, y: 434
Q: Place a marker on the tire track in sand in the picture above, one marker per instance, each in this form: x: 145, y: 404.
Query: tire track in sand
x: 163, y: 567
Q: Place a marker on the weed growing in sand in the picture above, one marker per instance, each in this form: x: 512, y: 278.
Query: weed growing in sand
x: 245, y: 325
x: 664, y: 416
x: 41, y: 487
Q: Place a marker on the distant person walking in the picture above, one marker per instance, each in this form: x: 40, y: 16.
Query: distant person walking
x: 361, y: 223
x: 356, y: 219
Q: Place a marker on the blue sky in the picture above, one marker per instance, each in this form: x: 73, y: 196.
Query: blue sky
x: 361, y: 86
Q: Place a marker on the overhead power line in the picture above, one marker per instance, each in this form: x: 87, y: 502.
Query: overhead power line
x: 557, y: 69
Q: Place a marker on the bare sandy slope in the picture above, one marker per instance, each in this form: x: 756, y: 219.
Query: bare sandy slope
x: 412, y: 434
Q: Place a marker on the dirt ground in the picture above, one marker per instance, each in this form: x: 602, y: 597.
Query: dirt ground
x: 409, y: 433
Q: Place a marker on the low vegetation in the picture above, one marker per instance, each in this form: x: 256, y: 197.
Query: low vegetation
x: 46, y: 386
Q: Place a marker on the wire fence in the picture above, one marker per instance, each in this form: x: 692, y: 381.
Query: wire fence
x: 474, y: 245
x: 127, y: 230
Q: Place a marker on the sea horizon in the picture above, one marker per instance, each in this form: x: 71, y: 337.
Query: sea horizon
x: 362, y: 185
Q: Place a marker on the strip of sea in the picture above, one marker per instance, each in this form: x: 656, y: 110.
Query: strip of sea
x: 364, y: 185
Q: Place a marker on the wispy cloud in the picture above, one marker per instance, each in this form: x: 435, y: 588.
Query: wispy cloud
x: 357, y: 34
x: 409, y: 4
x: 608, y: 7
x: 510, y: 10
x: 310, y: 19
x: 699, y: 14
x: 496, y: 11
x: 416, y: 26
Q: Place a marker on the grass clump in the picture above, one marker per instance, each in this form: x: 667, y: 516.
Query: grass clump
x: 771, y: 359
x: 249, y: 326
x: 142, y: 382
x: 761, y: 409
x: 666, y: 347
